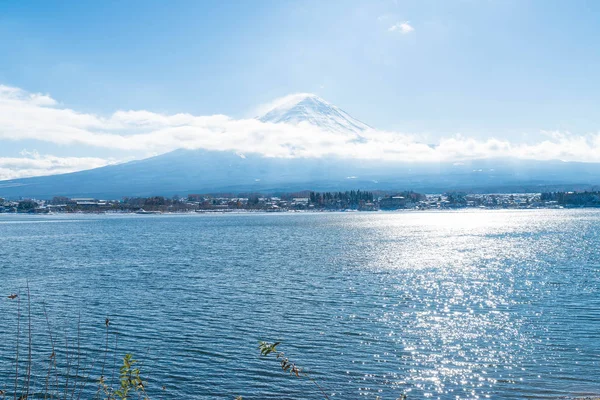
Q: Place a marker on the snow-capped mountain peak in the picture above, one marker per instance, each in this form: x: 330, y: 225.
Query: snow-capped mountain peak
x: 309, y: 108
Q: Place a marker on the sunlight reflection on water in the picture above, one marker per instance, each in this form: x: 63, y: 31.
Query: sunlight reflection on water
x: 469, y: 304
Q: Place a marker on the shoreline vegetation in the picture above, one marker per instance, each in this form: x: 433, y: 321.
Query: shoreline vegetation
x: 57, y: 372
x: 304, y: 201
x: 62, y: 369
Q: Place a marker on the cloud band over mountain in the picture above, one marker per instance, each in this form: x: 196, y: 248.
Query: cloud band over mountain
x: 38, y: 117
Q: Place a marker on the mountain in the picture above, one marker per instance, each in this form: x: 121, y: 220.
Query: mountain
x: 311, y: 109
x: 203, y: 171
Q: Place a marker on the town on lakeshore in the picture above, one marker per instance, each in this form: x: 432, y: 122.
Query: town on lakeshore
x: 303, y: 201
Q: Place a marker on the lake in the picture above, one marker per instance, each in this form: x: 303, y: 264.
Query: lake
x: 443, y: 305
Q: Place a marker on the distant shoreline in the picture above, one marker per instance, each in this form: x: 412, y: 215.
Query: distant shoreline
x: 306, y: 201
x: 292, y: 212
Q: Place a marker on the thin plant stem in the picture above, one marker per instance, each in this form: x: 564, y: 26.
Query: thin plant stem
x: 107, y: 323
x: 68, y: 358
x: 52, y: 362
x: 114, y: 359
x: 86, y: 378
x: 310, y: 378
x: 78, y: 354
x: 17, y: 349
x: 29, y: 343
x: 287, y: 365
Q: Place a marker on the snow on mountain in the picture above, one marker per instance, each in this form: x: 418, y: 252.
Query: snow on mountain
x: 310, y: 108
x: 210, y: 171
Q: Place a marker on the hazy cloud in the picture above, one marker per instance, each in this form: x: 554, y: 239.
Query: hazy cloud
x: 34, y: 164
x: 26, y: 116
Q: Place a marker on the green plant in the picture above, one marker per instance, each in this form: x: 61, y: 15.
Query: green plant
x: 129, y: 381
x: 288, y: 366
x: 65, y: 374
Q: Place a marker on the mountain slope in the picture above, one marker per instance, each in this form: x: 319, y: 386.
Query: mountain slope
x: 200, y: 171
x: 203, y: 171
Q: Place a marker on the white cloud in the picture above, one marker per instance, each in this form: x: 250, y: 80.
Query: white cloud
x: 39, y: 99
x: 402, y: 27
x: 42, y: 100
x: 25, y: 116
x: 34, y: 164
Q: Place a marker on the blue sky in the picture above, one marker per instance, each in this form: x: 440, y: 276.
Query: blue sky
x: 483, y: 69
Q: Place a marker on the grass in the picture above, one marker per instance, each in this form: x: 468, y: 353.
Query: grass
x: 63, y: 371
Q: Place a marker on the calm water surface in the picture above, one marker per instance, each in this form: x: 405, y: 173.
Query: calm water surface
x: 473, y: 304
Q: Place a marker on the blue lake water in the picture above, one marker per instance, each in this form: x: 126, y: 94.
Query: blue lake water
x: 470, y: 304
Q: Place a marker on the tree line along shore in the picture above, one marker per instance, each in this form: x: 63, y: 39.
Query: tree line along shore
x: 353, y: 200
